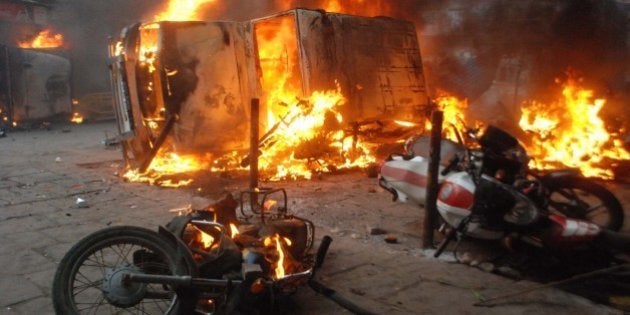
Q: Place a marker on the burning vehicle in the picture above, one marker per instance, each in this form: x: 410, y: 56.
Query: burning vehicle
x: 34, y: 86
x: 205, y: 261
x: 183, y: 89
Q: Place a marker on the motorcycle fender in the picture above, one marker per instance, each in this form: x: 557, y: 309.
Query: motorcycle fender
x: 565, y: 231
x: 182, y: 249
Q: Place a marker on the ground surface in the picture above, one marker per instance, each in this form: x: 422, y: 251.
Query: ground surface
x: 43, y: 172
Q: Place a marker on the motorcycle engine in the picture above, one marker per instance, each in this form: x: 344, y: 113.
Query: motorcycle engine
x: 500, y: 203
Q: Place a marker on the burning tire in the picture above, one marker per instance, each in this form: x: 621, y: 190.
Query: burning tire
x: 584, y: 199
x: 90, y: 277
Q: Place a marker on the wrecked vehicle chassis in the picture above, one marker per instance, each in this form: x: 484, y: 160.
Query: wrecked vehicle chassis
x: 195, y: 264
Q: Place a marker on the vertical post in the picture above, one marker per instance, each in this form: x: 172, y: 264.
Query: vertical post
x: 430, y: 215
x: 253, y: 144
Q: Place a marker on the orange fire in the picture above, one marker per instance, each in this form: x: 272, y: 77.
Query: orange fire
x: 233, y: 230
x: 454, y: 118
x: 165, y: 164
x: 301, y: 125
x: 45, y: 39
x: 205, y: 239
x: 570, y: 133
x: 76, y: 118
x: 181, y: 10
x: 358, y: 7
x: 278, y: 243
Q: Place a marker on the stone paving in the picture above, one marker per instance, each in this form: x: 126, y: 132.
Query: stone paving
x: 43, y: 172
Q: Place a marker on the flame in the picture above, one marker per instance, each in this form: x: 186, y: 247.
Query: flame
x: 307, y: 133
x: 181, y: 10
x: 454, y: 117
x: 233, y: 230
x: 149, y: 36
x: 358, y: 7
x: 118, y: 48
x: 403, y: 123
x: 206, y: 239
x: 276, y: 241
x: 571, y: 133
x: 45, y: 39
x: 165, y: 164
x: 76, y: 118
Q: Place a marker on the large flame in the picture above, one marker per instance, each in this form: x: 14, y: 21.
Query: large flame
x: 571, y: 133
x: 309, y: 139
x: 181, y: 10
x: 307, y: 131
x: 45, y: 39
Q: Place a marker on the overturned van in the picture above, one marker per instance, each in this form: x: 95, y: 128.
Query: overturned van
x: 191, y: 83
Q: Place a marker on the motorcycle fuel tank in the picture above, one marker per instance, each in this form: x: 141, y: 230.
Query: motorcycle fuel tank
x: 407, y: 177
x: 456, y: 197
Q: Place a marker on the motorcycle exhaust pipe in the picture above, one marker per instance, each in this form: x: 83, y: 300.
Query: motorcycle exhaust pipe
x: 322, y: 251
x: 327, y: 291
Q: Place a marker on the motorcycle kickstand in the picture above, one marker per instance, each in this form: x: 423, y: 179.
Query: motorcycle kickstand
x: 450, y: 235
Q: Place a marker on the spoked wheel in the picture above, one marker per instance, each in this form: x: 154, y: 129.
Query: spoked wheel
x: 583, y: 199
x: 90, y: 278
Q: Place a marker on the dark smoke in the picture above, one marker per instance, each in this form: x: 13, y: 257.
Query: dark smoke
x: 86, y: 26
x: 463, y: 42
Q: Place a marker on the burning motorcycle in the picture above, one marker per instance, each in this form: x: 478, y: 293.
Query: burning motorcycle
x: 206, y: 261
x: 487, y: 192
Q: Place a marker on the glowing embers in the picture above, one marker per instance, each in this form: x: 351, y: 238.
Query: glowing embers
x: 570, y: 133
x: 45, y: 39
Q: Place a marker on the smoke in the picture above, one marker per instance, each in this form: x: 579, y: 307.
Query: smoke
x: 463, y: 42
x: 87, y: 26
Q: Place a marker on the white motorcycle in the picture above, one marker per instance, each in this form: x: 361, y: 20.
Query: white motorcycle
x: 488, y: 192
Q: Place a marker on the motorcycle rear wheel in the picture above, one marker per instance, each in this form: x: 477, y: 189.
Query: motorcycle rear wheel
x: 86, y: 279
x: 584, y: 199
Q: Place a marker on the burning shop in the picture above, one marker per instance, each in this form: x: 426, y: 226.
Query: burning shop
x: 183, y: 90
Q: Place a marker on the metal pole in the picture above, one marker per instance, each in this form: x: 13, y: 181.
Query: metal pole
x: 170, y: 122
x: 253, y: 144
x: 430, y: 215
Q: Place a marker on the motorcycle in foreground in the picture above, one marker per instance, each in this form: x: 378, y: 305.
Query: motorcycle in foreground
x: 203, y: 262
x: 487, y: 192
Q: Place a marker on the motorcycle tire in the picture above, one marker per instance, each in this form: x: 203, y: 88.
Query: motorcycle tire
x: 584, y: 199
x: 83, y: 282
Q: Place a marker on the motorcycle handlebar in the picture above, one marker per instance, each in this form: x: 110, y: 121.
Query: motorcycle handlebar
x: 451, y: 165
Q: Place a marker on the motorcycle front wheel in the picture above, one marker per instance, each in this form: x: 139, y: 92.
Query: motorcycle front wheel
x: 584, y: 199
x: 89, y: 277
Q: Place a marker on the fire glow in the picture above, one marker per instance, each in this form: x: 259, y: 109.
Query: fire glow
x: 165, y: 164
x: 276, y: 242
x: 181, y: 10
x: 304, y: 134
x: 571, y: 133
x: 45, y: 39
